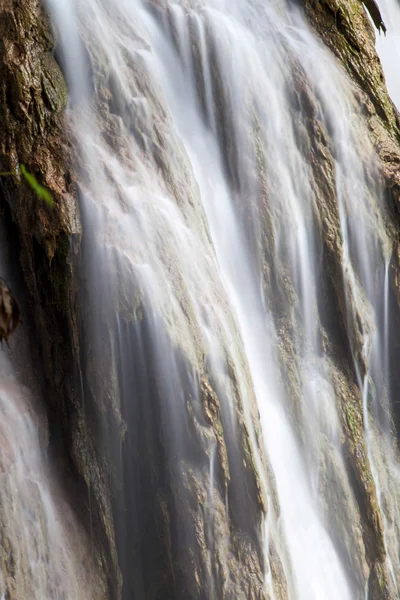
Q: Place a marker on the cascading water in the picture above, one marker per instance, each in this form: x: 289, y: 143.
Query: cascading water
x: 209, y: 134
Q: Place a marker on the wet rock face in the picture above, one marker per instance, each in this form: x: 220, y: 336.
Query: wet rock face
x: 33, y: 95
x: 344, y: 27
x: 346, y: 30
x: 33, y: 92
x: 178, y: 540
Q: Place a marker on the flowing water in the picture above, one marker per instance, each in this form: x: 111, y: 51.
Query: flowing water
x: 225, y: 178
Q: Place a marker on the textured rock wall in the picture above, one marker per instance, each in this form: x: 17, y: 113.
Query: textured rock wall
x: 33, y: 97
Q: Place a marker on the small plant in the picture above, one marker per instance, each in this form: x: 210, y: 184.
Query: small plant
x: 39, y: 190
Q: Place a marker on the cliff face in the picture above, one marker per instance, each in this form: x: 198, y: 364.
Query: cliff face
x: 88, y: 396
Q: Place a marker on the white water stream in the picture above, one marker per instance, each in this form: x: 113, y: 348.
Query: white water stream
x: 203, y: 165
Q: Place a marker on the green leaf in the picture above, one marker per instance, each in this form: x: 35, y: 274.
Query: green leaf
x: 40, y: 191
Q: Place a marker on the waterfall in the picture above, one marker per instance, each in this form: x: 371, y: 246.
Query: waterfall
x: 236, y: 299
